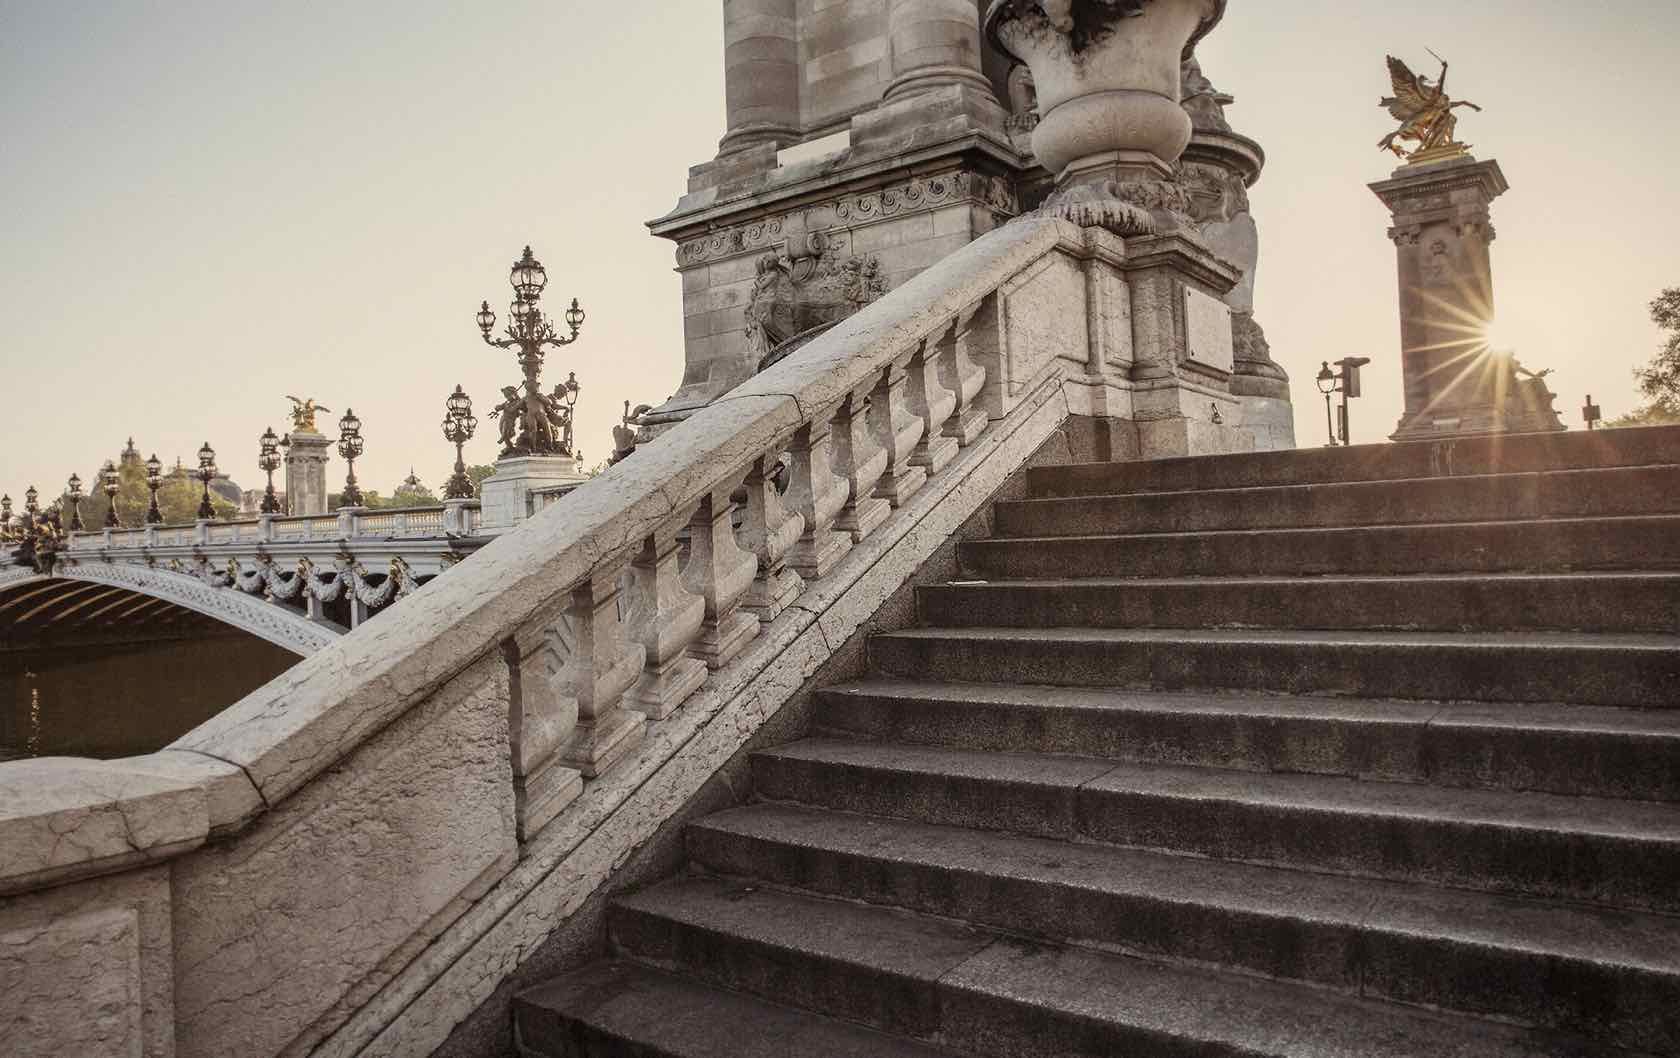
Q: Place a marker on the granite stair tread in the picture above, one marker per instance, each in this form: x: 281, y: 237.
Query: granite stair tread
x: 1644, y: 821
x: 985, y: 993
x: 608, y: 1008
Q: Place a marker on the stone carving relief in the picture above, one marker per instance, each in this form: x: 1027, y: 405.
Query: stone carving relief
x: 1204, y: 103
x: 1087, y: 23
x: 801, y: 292
x: 831, y: 220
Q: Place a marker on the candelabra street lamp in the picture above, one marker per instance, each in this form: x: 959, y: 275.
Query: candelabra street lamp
x: 268, y: 461
x: 458, y: 427
x: 206, y: 474
x: 111, y: 482
x: 1345, y: 382
x: 31, y: 504
x: 5, y: 517
x: 154, y: 481
x: 75, y: 495
x: 533, y: 422
x: 349, y: 448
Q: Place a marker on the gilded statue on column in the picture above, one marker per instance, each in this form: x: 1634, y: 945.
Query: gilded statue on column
x: 1425, y: 113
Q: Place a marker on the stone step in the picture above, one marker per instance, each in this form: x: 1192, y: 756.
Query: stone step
x: 1597, y: 602
x: 1597, y: 751
x: 1611, y: 852
x: 1640, y: 671
x: 1650, y: 542
x: 617, y: 1009
x: 981, y: 994
x: 1482, y: 455
x: 1610, y: 975
x: 1496, y: 497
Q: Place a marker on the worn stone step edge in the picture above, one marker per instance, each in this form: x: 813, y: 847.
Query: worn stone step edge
x: 1641, y: 671
x: 1645, y: 542
x: 645, y: 1013
x: 1611, y: 853
x: 1499, y: 497
x: 980, y: 993
x: 1611, y: 975
x: 1375, y: 462
x: 1551, y: 748
x: 1645, y: 601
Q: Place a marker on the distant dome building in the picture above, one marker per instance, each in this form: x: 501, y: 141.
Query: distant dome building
x: 411, y: 493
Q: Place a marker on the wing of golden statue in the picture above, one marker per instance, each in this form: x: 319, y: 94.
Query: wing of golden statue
x: 1410, y: 98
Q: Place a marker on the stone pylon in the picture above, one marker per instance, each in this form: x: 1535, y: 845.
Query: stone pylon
x: 1455, y: 382
x: 306, y: 472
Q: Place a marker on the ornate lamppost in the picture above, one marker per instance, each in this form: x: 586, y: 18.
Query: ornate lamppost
x: 458, y: 427
x: 268, y: 461
x: 31, y: 505
x: 154, y: 481
x: 111, y: 482
x: 206, y: 474
x: 5, y: 517
x: 75, y: 494
x: 533, y: 422
x: 350, y: 446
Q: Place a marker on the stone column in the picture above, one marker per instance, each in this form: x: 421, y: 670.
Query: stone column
x: 760, y: 73
x: 1442, y: 229
x: 935, y: 43
x: 306, y: 472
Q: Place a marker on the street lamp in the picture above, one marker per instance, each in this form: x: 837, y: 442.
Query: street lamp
x: 1346, y: 382
x: 111, y: 482
x: 75, y: 494
x: 206, y: 473
x: 350, y: 446
x: 268, y: 461
x: 458, y: 427
x: 533, y: 423
x: 31, y: 506
x: 5, y: 517
x: 154, y: 480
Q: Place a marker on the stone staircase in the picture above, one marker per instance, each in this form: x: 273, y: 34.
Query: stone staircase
x: 1365, y: 752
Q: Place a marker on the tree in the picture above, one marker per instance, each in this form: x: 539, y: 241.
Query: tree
x: 1660, y: 379
x: 178, y: 499
x: 1656, y: 413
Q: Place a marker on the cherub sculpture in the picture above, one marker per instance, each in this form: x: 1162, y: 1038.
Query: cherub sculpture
x: 509, y: 412
x: 303, y: 413
x: 1424, y: 111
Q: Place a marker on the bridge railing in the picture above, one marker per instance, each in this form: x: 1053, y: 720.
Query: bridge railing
x: 429, y: 750
x: 453, y: 518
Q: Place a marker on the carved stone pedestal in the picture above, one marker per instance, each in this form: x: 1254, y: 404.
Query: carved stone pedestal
x: 1455, y: 383
x: 507, y: 498
x: 306, y: 472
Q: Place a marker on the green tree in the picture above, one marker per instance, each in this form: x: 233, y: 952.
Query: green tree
x: 1656, y: 413
x: 178, y: 499
x: 1660, y: 379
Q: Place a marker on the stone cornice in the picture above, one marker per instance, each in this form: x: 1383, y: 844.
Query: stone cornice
x: 1413, y: 189
x: 1229, y: 150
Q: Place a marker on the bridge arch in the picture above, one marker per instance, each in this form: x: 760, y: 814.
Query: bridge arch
x: 87, y: 591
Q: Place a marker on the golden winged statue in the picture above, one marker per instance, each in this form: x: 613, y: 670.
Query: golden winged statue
x: 1425, y: 114
x: 303, y: 413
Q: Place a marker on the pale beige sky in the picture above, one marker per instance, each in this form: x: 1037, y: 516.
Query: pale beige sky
x: 207, y: 205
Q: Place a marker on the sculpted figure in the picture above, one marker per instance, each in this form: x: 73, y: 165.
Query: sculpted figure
x: 303, y: 413
x: 1424, y: 111
x: 508, y: 412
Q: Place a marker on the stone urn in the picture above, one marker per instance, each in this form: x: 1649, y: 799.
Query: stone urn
x: 1111, y: 123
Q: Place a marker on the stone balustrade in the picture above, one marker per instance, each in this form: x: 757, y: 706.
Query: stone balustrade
x: 363, y: 849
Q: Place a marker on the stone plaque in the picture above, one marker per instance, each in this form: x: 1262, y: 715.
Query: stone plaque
x: 1207, y: 331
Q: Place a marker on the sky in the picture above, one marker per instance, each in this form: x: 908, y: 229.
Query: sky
x: 206, y: 206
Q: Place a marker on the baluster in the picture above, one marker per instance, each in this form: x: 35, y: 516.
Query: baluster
x: 664, y: 617
x: 770, y: 530
x: 930, y: 401
x: 818, y: 494
x: 896, y: 430
x: 965, y: 378
x: 719, y: 572
x: 859, y: 461
x: 540, y: 720
x: 603, y: 665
